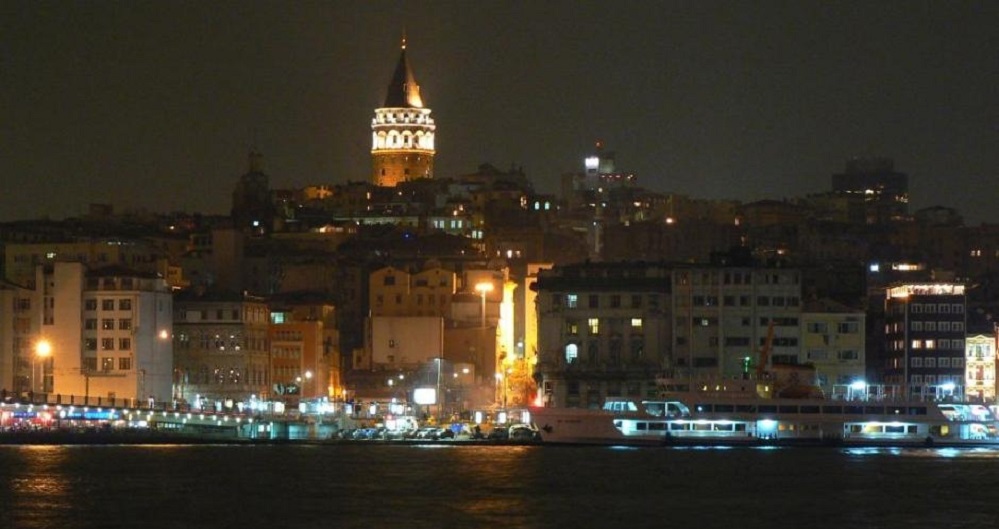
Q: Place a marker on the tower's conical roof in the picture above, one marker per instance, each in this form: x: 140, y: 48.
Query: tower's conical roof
x: 403, y: 90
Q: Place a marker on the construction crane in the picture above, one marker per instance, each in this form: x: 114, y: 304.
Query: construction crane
x: 761, y: 366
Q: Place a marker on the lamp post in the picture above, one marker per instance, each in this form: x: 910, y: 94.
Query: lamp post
x: 43, y: 349
x: 440, y: 404
x: 499, y: 396
x: 483, y: 289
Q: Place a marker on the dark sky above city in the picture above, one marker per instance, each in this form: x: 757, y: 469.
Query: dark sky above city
x: 154, y: 104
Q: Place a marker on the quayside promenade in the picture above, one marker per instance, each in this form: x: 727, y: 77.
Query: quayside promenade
x: 78, y: 420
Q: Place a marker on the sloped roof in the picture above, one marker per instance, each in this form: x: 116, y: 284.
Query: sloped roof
x: 403, y: 92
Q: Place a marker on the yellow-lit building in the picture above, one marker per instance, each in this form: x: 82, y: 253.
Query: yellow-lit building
x: 832, y: 339
x: 106, y: 334
x: 18, y: 327
x: 396, y: 292
x: 980, y: 367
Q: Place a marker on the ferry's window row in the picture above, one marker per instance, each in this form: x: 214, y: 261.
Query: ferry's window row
x: 812, y: 409
x: 881, y: 428
x: 690, y: 426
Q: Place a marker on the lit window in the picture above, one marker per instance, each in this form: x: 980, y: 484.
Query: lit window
x: 571, y: 353
x: 636, y: 324
x: 571, y: 301
x: 594, y: 325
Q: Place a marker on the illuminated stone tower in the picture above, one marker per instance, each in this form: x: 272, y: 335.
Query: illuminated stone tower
x: 402, y: 131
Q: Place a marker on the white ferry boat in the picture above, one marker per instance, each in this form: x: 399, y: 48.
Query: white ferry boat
x: 743, y: 412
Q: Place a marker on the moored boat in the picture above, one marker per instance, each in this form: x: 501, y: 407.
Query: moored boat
x: 745, y: 413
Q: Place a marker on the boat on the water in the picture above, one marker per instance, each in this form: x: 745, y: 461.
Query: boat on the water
x: 745, y: 412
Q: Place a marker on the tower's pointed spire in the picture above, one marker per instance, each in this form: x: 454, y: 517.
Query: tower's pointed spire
x: 256, y: 159
x: 403, y: 90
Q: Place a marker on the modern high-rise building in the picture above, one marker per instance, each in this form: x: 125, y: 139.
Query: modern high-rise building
x: 925, y: 336
x: 402, y: 131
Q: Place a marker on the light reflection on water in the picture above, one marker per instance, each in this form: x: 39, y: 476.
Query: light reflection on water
x: 949, y: 453
x: 509, y: 487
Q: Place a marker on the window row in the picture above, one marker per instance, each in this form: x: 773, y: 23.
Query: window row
x: 202, y: 315
x: 935, y: 362
x: 615, y: 353
x: 398, y: 299
x: 779, y: 341
x: 613, y: 301
x: 107, y: 304
x: 593, y: 326
x: 936, y: 308
x: 844, y: 327
x: 738, y: 278
x: 107, y: 344
x: 932, y: 380
x: 107, y: 364
x: 947, y: 345
x: 108, y: 324
x: 933, y: 326
x: 823, y: 354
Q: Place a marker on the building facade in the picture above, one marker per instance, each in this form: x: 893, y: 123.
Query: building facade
x: 603, y: 330
x: 722, y: 316
x: 980, y: 368
x: 18, y: 329
x: 925, y: 336
x: 833, y: 340
x: 107, y: 332
x: 221, y: 347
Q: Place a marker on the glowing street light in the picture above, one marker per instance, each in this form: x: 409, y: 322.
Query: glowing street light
x: 43, y: 350
x: 483, y: 289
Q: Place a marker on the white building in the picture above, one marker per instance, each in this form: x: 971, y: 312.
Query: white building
x: 722, y: 316
x: 108, y: 331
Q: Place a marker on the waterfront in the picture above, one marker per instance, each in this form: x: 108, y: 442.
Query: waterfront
x: 371, y: 486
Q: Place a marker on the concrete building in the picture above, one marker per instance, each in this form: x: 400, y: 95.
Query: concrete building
x: 603, y: 330
x: 721, y: 316
x: 221, y: 347
x: 18, y: 331
x: 305, y: 325
x: 925, y: 336
x: 22, y: 259
x: 833, y: 340
x: 108, y: 332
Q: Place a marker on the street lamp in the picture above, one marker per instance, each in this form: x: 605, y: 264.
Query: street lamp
x: 43, y: 349
x: 499, y: 395
x: 483, y: 289
x: 308, y: 377
x: 439, y: 403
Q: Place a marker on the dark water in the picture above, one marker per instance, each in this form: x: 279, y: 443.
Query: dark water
x: 493, y: 486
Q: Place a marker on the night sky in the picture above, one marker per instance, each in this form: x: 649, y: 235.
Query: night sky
x: 154, y: 104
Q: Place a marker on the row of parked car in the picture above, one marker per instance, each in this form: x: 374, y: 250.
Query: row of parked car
x: 516, y: 432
